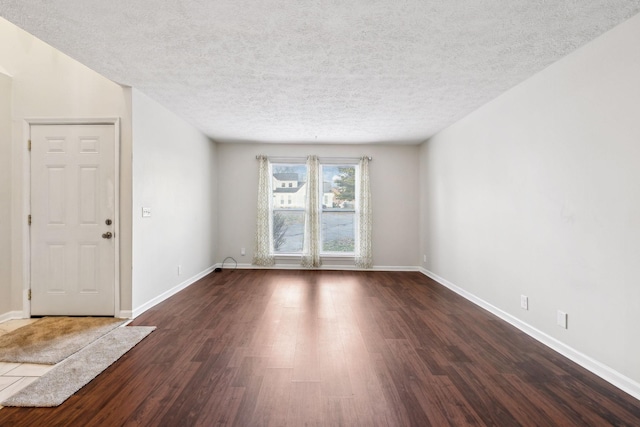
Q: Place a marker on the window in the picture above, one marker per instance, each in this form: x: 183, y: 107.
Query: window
x: 337, y: 219
x: 288, y: 219
x: 337, y: 196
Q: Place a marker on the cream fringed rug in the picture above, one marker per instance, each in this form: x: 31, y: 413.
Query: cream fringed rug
x: 75, y: 372
x: 53, y: 339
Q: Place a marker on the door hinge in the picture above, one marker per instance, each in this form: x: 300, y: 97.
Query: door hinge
x: 29, y: 145
x: 29, y: 295
x: 29, y: 219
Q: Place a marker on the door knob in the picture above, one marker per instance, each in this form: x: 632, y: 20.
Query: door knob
x: 107, y: 235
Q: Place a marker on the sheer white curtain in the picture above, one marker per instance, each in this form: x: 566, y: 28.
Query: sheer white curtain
x: 311, y: 245
x: 364, y: 258
x: 262, y: 254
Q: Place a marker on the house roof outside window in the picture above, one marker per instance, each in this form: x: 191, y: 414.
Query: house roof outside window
x: 287, y: 176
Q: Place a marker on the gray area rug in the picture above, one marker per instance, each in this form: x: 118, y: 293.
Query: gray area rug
x: 52, y: 339
x: 75, y: 372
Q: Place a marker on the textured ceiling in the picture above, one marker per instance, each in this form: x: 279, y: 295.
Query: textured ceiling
x: 319, y: 71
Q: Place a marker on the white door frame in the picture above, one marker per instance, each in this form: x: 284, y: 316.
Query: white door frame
x: 28, y: 122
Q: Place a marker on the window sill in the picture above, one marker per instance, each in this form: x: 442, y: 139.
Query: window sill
x: 329, y: 262
x: 323, y: 256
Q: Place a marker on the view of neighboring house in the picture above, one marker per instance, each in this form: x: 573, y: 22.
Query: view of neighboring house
x: 329, y: 192
x: 289, y: 192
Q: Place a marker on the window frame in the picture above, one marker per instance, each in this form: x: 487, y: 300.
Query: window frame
x: 282, y: 206
x: 353, y: 211
x: 275, y: 207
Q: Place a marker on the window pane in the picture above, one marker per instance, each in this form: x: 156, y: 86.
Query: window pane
x: 338, y: 187
x: 338, y: 204
x: 288, y: 230
x: 289, y: 186
x: 338, y: 231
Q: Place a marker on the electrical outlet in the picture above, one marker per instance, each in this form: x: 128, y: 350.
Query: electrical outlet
x: 179, y: 270
x: 524, y: 302
x: 562, y: 319
x: 243, y: 252
x: 146, y: 212
x: 424, y: 258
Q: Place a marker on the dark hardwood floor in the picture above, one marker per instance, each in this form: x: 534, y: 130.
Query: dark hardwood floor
x: 269, y: 347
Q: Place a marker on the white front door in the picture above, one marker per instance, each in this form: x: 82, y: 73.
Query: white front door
x: 72, y: 219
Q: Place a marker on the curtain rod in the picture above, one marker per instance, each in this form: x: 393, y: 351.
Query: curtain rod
x: 304, y: 158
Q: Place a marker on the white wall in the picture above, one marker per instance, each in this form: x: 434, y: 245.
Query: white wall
x: 174, y: 173
x: 394, y: 185
x: 49, y: 84
x: 537, y: 193
x: 5, y: 194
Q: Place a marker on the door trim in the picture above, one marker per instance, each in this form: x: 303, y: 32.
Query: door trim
x: 26, y: 181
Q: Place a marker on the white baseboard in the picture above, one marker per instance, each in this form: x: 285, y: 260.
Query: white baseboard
x: 157, y: 300
x: 603, y: 371
x: 11, y: 315
x: 394, y: 268
x: 246, y: 266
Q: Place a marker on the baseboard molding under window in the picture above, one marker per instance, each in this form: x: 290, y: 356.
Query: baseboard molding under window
x: 297, y: 266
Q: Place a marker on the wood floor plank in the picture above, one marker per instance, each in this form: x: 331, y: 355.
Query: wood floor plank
x: 398, y: 411
x: 305, y: 404
x: 484, y: 403
x: 212, y: 377
x: 306, y: 360
x: 273, y: 398
x: 519, y: 394
x: 324, y: 348
x: 152, y: 407
x: 283, y: 349
x: 334, y: 372
x: 221, y: 409
x: 428, y: 388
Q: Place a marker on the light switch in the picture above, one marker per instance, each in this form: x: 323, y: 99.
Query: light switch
x: 146, y: 212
